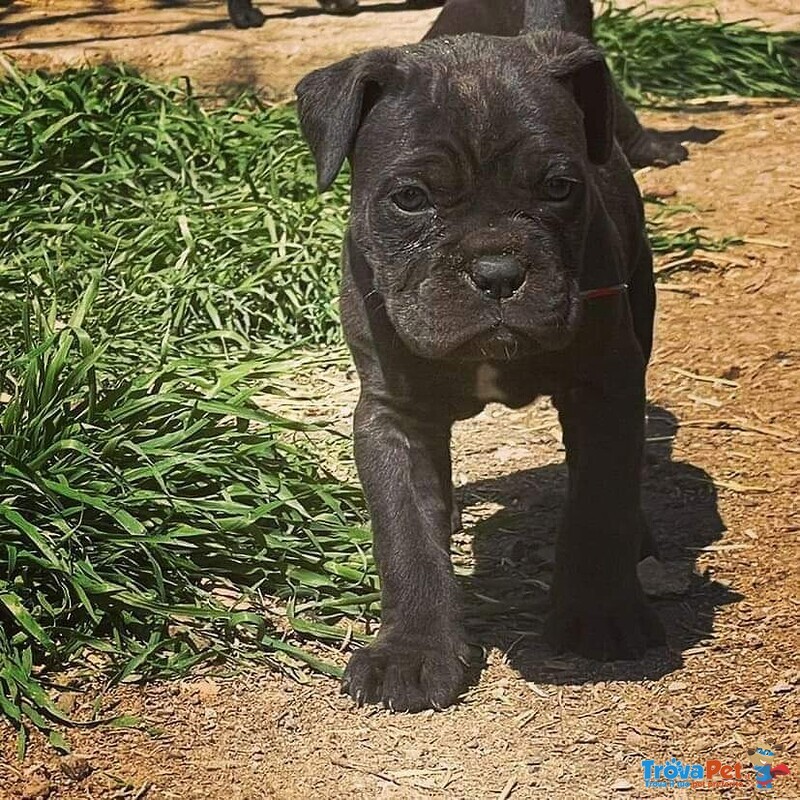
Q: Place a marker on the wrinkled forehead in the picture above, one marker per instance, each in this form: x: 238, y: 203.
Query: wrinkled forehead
x: 475, y: 114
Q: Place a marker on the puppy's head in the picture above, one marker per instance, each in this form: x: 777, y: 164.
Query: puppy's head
x: 472, y: 162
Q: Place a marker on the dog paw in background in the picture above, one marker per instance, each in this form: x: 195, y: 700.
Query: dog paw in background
x: 244, y: 15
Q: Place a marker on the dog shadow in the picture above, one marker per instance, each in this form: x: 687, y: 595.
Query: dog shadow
x: 102, y: 7
x: 506, y: 597
x: 691, y: 134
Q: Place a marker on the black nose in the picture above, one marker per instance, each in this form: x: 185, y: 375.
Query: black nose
x: 498, y: 276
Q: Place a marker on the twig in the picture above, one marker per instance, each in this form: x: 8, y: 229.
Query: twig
x: 143, y: 790
x: 721, y: 548
x: 737, y: 425
x: 526, y: 717
x: 705, y: 378
x: 709, y: 401
x: 337, y: 762
x: 736, y: 99
x: 741, y: 488
x: 765, y: 242
x: 595, y: 713
x: 677, y: 287
x: 508, y: 788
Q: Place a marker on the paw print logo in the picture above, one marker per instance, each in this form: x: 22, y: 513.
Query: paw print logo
x: 762, y: 757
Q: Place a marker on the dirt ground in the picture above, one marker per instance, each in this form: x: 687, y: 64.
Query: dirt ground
x: 721, y: 492
x: 166, y: 38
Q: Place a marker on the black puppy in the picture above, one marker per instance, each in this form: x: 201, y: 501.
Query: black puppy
x: 496, y: 251
x: 642, y: 146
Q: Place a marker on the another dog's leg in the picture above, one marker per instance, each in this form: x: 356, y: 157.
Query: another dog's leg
x: 643, y: 146
x: 339, y: 6
x: 599, y: 608
x: 418, y: 658
x: 243, y: 15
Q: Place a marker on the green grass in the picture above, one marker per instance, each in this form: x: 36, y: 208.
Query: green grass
x: 658, y: 56
x: 157, y: 259
x: 160, y: 261
x: 154, y: 521
x: 205, y: 223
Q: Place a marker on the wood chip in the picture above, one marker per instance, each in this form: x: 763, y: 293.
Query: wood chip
x: 678, y: 287
x: 36, y: 789
x: 706, y: 401
x: 537, y: 690
x: 766, y: 242
x: 734, y: 424
x: 735, y: 100
x: 706, y: 378
x: 721, y: 548
x: 338, y: 762
x: 508, y: 788
x: 621, y: 785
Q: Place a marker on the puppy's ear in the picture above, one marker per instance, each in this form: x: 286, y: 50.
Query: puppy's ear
x: 583, y: 66
x: 332, y: 103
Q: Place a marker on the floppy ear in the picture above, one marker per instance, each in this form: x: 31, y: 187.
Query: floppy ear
x: 332, y: 103
x: 584, y: 67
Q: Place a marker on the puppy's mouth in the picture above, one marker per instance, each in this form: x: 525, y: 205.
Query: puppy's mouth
x: 465, y: 326
x: 515, y: 334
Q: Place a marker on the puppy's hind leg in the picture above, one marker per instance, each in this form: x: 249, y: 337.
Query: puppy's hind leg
x: 599, y: 608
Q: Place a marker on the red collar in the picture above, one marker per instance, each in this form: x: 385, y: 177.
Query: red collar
x: 604, y: 291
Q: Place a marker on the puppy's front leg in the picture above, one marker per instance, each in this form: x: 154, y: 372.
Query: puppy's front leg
x: 599, y: 609
x: 417, y: 660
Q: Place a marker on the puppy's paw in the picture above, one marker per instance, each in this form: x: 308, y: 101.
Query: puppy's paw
x: 604, y: 628
x: 652, y: 148
x: 407, y: 674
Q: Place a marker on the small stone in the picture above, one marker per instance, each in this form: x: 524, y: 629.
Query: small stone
x: 662, y: 192
x: 67, y: 702
x: 782, y: 687
x: 676, y: 686
x: 621, y: 785
x: 76, y: 767
x: 207, y: 690
x: 36, y: 789
x: 634, y: 739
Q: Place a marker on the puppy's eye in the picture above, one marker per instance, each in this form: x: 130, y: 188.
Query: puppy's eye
x: 411, y: 199
x: 557, y: 188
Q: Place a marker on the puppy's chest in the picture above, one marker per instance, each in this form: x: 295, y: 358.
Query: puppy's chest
x: 466, y: 390
x: 487, y: 386
x: 512, y: 385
